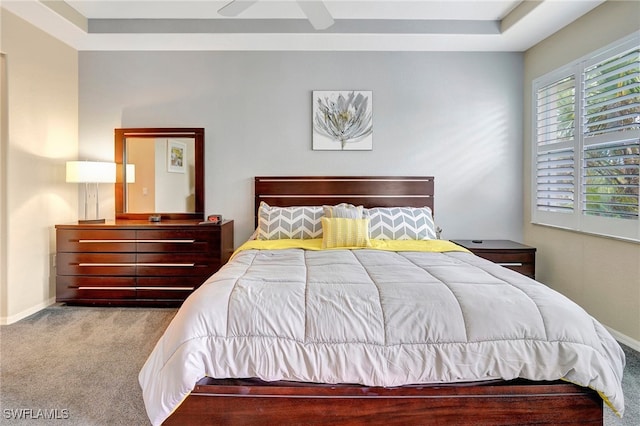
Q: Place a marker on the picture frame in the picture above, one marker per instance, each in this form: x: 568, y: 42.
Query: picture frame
x: 342, y: 120
x: 176, y: 156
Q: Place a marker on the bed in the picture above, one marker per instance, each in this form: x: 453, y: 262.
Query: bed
x: 393, y: 327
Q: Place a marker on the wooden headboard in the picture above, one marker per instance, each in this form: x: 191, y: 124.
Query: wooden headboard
x: 367, y: 191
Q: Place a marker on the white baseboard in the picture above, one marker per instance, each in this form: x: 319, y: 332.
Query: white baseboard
x: 624, y: 339
x: 32, y: 310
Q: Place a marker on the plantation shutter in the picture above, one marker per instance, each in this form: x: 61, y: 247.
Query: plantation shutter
x: 586, y: 143
x: 611, y: 179
x: 612, y: 95
x: 611, y: 132
x: 555, y: 151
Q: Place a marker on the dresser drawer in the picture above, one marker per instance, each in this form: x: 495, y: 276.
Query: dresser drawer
x: 174, y: 246
x: 178, y: 282
x: 96, y: 264
x: 195, y: 233
x: 203, y: 240
x: 527, y: 269
x: 81, y: 240
x: 508, y: 257
x: 167, y: 287
x: 198, y: 258
x: 201, y: 272
x: 71, y: 287
x: 176, y: 294
x: 107, y: 294
x: 164, y: 292
x: 176, y: 264
x: 518, y: 257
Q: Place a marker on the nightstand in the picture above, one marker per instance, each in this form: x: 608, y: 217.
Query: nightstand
x: 512, y: 255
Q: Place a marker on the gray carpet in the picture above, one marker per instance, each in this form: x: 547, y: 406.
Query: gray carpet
x: 631, y: 388
x: 80, y: 366
x: 82, y: 360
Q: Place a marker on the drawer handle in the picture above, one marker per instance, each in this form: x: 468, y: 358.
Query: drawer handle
x: 106, y: 264
x: 189, y: 265
x: 510, y: 264
x: 167, y: 288
x: 139, y: 241
x: 167, y: 241
x: 137, y: 288
x: 107, y: 241
x: 106, y: 288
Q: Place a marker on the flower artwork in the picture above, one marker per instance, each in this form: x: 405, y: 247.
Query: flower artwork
x: 342, y: 120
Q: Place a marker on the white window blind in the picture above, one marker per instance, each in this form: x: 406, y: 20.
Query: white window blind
x: 555, y: 182
x: 612, y: 95
x: 612, y: 179
x: 556, y: 111
x: 587, y: 144
x: 555, y: 136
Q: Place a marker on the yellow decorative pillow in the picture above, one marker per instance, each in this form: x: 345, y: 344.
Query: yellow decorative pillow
x: 341, y: 232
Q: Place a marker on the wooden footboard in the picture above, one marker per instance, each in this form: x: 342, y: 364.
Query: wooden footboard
x: 234, y: 402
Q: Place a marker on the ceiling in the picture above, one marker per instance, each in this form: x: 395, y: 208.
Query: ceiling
x: 360, y: 25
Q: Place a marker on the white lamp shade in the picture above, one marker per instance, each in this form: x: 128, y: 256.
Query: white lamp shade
x: 91, y: 172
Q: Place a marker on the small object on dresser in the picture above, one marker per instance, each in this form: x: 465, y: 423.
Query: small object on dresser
x: 155, y: 218
x: 214, y: 218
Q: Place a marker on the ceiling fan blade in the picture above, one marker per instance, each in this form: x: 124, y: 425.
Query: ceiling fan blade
x: 317, y: 13
x: 235, y: 7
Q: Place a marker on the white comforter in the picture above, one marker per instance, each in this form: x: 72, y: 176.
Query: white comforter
x: 376, y: 318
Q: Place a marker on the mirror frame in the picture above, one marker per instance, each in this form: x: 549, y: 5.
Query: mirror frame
x: 154, y: 132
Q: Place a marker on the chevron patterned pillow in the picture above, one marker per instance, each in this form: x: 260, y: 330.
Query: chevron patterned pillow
x: 401, y: 223
x: 278, y: 223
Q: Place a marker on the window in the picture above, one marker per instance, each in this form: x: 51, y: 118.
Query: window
x: 586, y: 143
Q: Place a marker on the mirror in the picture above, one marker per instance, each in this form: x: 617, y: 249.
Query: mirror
x: 160, y: 171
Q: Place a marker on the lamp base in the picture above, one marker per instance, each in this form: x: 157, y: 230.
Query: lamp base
x: 87, y: 221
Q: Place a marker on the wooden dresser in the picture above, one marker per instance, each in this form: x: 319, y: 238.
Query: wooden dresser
x: 512, y: 255
x: 135, y: 262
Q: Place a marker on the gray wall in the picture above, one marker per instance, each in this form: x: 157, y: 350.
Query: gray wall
x: 456, y: 116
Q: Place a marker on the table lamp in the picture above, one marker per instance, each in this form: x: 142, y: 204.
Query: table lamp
x: 91, y: 172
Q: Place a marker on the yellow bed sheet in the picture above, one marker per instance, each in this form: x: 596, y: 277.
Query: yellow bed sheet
x: 437, y: 246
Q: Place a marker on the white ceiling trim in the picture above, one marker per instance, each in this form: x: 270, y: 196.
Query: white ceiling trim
x: 290, y: 26
x: 522, y: 32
